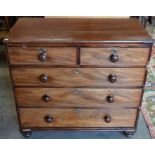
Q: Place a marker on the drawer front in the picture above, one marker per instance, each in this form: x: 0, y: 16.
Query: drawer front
x: 82, y: 77
x: 114, y: 57
x: 81, y: 97
x: 47, y: 56
x: 77, y: 117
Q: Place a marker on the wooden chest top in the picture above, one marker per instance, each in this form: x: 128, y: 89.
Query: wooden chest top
x: 74, y: 30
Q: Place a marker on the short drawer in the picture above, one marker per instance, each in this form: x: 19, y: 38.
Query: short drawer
x: 43, y: 117
x: 78, y: 77
x: 43, y: 56
x: 77, y: 97
x: 114, y: 57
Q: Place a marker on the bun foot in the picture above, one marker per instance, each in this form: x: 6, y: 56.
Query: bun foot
x: 129, y: 134
x: 26, y: 133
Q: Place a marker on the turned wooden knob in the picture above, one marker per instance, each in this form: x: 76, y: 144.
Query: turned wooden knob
x: 110, y: 99
x: 112, y: 78
x: 43, y: 55
x: 107, y: 118
x: 114, y: 57
x: 49, y: 119
x: 44, y: 78
x: 46, y: 98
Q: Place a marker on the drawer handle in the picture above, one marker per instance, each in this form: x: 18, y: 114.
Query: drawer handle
x: 44, y: 77
x: 110, y: 99
x: 49, y: 119
x: 107, y: 118
x: 114, y: 57
x: 46, y: 98
x: 43, y: 55
x: 112, y: 78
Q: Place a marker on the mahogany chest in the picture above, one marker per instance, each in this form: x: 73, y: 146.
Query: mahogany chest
x: 78, y: 74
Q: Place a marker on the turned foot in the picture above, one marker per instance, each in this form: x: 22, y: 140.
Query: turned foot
x: 129, y: 133
x: 26, y: 133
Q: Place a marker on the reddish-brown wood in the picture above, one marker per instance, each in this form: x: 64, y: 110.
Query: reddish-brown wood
x: 32, y: 55
x: 72, y: 30
x: 126, y: 56
x: 73, y: 97
x: 78, y: 77
x: 90, y: 44
x: 76, y: 117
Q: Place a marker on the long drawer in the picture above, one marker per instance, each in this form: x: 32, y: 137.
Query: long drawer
x: 78, y: 77
x: 42, y: 56
x: 77, y: 97
x: 77, y: 117
x: 114, y: 57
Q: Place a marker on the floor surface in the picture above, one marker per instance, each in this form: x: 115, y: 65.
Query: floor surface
x: 9, y: 125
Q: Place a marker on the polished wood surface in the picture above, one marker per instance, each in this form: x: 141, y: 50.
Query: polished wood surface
x: 30, y: 55
x: 78, y: 73
x: 126, y: 56
x: 76, y: 117
x: 78, y: 77
x: 77, y: 97
x: 73, y: 30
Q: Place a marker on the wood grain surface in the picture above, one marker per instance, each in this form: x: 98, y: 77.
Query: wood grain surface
x: 77, y: 117
x: 77, y: 97
x: 78, y: 77
x: 30, y: 56
x: 66, y: 85
x: 127, y: 56
x: 73, y: 30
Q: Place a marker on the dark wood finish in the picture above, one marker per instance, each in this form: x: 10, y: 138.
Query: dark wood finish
x: 107, y: 118
x: 26, y: 133
x: 113, y: 44
x: 114, y: 56
x: 33, y: 55
x: 129, y: 133
x: 48, y: 119
x: 42, y: 55
x: 78, y: 77
x: 77, y: 117
x: 125, y: 56
x: 112, y: 78
x: 72, y: 30
x: 85, y: 75
x: 46, y: 98
x: 73, y: 97
x: 43, y: 78
x: 110, y: 98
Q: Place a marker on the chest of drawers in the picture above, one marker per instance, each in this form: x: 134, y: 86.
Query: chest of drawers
x: 78, y: 74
